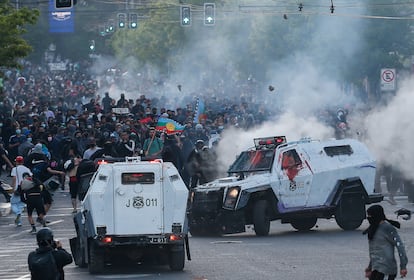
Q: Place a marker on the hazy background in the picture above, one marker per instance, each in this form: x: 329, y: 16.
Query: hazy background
x: 306, y: 80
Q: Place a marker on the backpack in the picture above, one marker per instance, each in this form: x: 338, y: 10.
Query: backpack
x: 43, y: 266
x: 39, y: 171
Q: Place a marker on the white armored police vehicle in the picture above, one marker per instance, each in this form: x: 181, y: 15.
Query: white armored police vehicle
x: 134, y: 209
x: 296, y: 182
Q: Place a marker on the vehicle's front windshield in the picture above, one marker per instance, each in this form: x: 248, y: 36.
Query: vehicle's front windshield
x: 250, y: 161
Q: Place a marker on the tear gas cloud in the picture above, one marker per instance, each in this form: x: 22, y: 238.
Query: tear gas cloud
x: 235, y: 140
x: 302, y: 84
x: 390, y: 130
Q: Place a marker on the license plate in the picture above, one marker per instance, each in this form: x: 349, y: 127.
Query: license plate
x: 158, y: 239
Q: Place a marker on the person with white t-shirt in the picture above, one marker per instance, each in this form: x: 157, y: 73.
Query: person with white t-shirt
x: 17, y: 177
x: 92, y: 148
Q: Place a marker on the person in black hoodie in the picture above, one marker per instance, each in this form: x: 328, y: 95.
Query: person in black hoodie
x: 382, y: 239
x: 125, y: 147
x: 47, y: 245
x: 33, y: 197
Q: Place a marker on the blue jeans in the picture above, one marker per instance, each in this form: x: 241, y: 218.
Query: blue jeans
x: 17, y: 205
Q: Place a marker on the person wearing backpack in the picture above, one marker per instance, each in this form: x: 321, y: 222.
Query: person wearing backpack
x: 34, y: 201
x: 47, y: 261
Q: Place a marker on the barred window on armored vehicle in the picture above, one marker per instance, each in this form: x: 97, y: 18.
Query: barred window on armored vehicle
x: 338, y: 150
x: 138, y: 178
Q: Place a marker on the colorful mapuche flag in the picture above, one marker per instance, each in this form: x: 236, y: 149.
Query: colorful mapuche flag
x: 169, y: 126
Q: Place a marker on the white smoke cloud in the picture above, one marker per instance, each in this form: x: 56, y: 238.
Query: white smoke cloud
x: 303, y: 85
x: 291, y: 125
x: 390, y: 130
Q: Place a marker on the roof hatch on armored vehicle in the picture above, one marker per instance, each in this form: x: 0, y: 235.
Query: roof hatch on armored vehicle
x: 338, y: 150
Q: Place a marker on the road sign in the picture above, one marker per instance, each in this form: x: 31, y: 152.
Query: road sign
x: 388, y: 77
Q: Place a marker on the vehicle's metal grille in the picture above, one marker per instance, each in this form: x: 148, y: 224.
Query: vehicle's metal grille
x: 207, y: 201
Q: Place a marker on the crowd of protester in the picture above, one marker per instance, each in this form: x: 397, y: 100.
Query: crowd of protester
x: 70, y: 114
x: 67, y: 114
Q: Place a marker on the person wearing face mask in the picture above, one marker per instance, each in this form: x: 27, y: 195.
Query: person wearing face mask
x: 54, y: 145
x: 14, y: 142
x: 382, y: 239
x: 25, y: 147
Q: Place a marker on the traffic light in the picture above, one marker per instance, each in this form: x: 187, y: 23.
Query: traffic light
x: 185, y: 15
x: 111, y: 25
x: 122, y: 20
x: 209, y: 13
x: 92, y: 45
x: 63, y: 4
x: 133, y: 21
x: 102, y: 30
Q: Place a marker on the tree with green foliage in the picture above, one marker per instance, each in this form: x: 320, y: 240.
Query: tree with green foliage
x: 12, y: 27
x: 389, y: 42
x: 155, y: 39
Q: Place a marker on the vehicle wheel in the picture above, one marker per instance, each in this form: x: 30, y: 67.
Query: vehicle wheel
x: 350, y: 212
x: 304, y: 224
x: 79, y: 255
x: 347, y: 224
x: 177, y: 258
x: 261, y: 219
x: 96, y: 258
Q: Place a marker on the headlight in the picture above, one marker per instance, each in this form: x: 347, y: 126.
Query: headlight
x: 231, y: 197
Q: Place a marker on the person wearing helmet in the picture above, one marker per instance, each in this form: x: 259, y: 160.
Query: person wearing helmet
x: 48, y: 260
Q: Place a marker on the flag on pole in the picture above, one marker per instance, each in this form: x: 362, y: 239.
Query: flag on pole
x: 200, y: 109
x: 169, y: 126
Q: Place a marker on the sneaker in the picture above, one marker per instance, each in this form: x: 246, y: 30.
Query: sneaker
x: 74, y: 211
x: 17, y: 220
x: 33, y: 230
x: 19, y: 224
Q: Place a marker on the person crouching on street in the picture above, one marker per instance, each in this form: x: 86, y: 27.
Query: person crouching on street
x: 47, y: 261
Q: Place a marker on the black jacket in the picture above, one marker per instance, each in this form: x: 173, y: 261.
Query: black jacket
x: 62, y: 258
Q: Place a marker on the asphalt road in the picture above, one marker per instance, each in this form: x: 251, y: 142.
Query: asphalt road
x: 326, y: 252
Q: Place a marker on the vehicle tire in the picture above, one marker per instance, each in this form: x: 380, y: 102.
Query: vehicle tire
x: 304, y: 224
x: 347, y: 224
x: 96, y: 258
x: 79, y: 257
x: 177, y: 257
x: 346, y: 219
x: 261, y: 219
